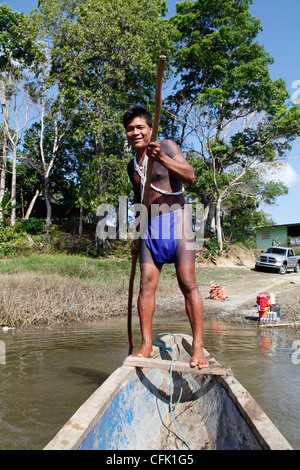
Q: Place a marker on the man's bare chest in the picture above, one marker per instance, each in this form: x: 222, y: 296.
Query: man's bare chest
x: 160, y: 173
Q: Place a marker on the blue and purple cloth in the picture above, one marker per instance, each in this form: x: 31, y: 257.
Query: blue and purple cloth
x: 161, y: 236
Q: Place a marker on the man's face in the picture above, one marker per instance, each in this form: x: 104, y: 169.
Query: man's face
x: 138, y: 133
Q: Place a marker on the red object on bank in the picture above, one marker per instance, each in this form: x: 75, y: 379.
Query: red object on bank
x: 218, y: 292
x: 263, y: 303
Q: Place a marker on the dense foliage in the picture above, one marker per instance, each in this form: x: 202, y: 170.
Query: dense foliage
x: 71, y: 69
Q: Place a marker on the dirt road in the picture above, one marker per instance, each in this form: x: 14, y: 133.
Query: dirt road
x: 242, y: 295
x: 242, y: 284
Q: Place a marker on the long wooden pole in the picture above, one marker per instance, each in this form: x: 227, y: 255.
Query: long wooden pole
x: 144, y: 215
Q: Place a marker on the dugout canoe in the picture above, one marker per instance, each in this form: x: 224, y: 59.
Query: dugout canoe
x: 132, y: 409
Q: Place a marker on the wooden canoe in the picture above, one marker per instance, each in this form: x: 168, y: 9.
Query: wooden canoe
x: 132, y: 409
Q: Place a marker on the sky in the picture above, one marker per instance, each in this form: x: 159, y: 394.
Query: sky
x: 281, y: 38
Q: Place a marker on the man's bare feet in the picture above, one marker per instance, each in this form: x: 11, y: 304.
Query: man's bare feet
x: 143, y: 352
x: 198, y: 358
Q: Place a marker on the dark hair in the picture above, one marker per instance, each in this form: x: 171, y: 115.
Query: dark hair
x: 134, y: 111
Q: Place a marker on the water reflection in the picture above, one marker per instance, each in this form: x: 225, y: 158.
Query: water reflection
x: 274, y: 339
x: 261, y: 360
x: 217, y: 331
x: 48, y: 374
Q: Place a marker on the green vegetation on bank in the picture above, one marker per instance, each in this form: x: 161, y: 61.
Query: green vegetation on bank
x: 32, y: 238
x: 73, y: 266
x: 49, y: 289
x: 75, y: 67
x: 56, y: 277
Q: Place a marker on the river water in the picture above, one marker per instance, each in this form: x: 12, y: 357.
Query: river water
x: 46, y: 374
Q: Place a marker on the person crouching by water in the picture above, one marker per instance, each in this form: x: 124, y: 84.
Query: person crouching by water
x: 170, y: 170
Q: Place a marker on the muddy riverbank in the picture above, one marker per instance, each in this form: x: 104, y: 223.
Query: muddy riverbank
x: 242, y: 284
x: 46, y: 295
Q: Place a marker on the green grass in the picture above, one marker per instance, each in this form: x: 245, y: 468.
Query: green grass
x: 47, y: 289
x: 67, y: 265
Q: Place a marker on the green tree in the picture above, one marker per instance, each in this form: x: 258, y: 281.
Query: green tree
x: 49, y: 166
x: 105, y: 58
x: 18, y: 53
x: 238, y: 116
x: 241, y: 211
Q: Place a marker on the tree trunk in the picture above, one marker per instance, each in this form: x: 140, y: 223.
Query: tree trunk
x: 30, y: 207
x: 212, y: 217
x: 4, y: 160
x: 205, y: 218
x: 2, y: 185
x: 80, y: 221
x: 4, y: 148
x: 13, y: 187
x: 218, y: 223
x: 48, y: 203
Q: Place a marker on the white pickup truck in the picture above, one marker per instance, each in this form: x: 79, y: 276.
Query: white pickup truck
x: 278, y: 257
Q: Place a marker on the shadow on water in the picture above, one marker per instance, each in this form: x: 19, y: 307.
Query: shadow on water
x: 92, y: 375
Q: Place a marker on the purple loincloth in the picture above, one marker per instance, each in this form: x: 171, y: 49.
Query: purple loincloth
x: 161, y: 237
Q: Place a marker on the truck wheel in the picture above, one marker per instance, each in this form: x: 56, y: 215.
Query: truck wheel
x: 297, y: 268
x: 283, y: 269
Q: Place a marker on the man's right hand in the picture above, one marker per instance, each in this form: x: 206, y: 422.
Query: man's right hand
x: 134, y: 247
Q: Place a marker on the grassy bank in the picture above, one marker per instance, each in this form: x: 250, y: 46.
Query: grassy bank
x: 48, y: 289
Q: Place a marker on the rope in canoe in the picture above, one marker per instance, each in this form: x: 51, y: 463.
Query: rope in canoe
x: 172, y: 383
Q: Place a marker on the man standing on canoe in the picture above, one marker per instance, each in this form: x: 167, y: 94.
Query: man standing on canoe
x: 169, y: 236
